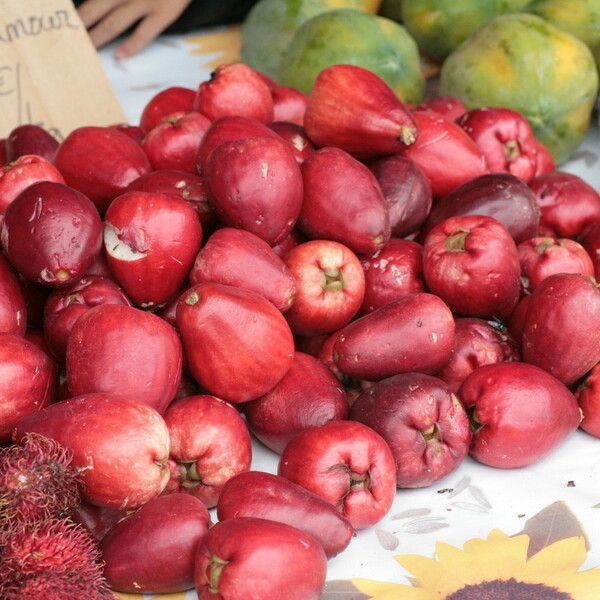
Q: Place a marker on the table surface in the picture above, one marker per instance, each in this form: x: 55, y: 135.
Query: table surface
x: 562, y: 492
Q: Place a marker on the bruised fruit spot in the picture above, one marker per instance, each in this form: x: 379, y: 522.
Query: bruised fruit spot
x: 118, y: 248
x: 512, y: 150
x: 213, y: 573
x: 193, y: 298
x: 456, y: 241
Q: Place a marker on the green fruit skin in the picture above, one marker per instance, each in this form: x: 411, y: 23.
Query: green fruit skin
x: 354, y: 38
x: 580, y: 18
x: 440, y: 26
x: 524, y: 63
x: 271, y: 25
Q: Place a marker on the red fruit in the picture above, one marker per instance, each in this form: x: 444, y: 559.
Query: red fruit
x: 238, y: 258
x: 562, y: 327
x: 568, y: 204
x: 122, y: 350
x: 135, y: 132
x: 477, y: 343
x: 413, y: 333
x: 296, y: 137
x: 30, y: 139
x: 355, y: 110
x: 545, y: 161
x: 174, y: 142
x: 97, y: 520
x: 291, y: 240
x: 590, y: 240
x: 56, y: 560
x: 516, y: 320
x: 154, y: 549
x: 309, y: 395
x: 229, y: 129
x: 471, y: 262
x: 256, y: 185
x: 589, y: 402
x: 501, y: 196
x: 265, y: 496
x: 393, y: 271
x: 289, y: 104
x: 422, y: 422
x: 446, y: 106
x: 505, y: 138
x: 210, y: 444
x: 445, y: 153
x: 312, y: 344
x: 214, y: 319
x: 343, y: 202
x: 120, y: 445
x: 23, y: 172
x: 245, y: 558
x: 151, y: 241
x: 13, y: 312
x: 51, y: 233
x: 346, y: 463
x: 27, y: 381
x: 37, y: 482
x: 165, y: 103
x: 100, y: 162
x: 330, y: 286
x: 407, y: 193
x: 519, y: 414
x: 190, y: 188
x: 541, y: 257
x: 66, y: 305
x: 235, y: 90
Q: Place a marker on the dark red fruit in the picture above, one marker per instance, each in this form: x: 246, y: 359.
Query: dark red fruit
x: 30, y: 139
x: 296, y: 137
x: 13, y: 312
x: 165, y: 103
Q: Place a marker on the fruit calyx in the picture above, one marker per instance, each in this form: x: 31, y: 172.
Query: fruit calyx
x: 193, y: 298
x: 408, y: 135
x: 359, y: 481
x: 433, y: 433
x: 333, y: 280
x: 476, y: 425
x: 512, y: 150
x: 213, y: 573
x: 456, y: 241
x: 189, y: 475
x: 543, y: 246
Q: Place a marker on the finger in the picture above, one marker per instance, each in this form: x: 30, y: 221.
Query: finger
x: 115, y: 23
x: 91, y: 11
x: 151, y: 27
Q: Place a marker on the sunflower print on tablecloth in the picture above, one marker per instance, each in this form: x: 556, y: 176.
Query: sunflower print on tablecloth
x: 496, y: 568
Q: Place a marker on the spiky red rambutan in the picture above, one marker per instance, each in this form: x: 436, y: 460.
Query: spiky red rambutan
x: 37, y: 482
x: 55, y: 551
x: 56, y: 587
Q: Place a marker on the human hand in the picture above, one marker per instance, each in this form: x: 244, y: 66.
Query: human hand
x: 107, y: 19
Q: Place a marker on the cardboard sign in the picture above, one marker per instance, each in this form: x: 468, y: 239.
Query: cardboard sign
x: 50, y: 73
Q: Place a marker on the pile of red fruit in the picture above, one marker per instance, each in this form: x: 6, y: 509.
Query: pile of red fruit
x: 418, y: 288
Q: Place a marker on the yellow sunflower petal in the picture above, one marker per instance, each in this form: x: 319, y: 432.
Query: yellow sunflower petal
x: 434, y: 576
x: 564, y: 556
x: 581, y: 586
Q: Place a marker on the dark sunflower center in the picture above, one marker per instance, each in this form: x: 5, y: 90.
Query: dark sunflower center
x: 508, y: 590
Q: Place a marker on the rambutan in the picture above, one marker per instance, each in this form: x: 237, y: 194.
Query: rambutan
x: 54, y: 560
x: 37, y: 482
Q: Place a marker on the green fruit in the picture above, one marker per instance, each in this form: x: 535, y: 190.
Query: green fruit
x: 579, y: 17
x: 271, y: 25
x: 439, y: 26
x: 354, y: 38
x: 524, y: 63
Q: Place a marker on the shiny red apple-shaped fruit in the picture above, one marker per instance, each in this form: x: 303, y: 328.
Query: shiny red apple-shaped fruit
x: 422, y: 422
x: 51, y: 233
x: 120, y: 446
x: 97, y: 519
x: 22, y: 173
x: 256, y: 185
x: 27, y: 381
x: 66, y: 305
x: 413, y: 333
x: 588, y: 396
x: 562, y: 327
x: 241, y: 259
x: 519, y: 413
x: 237, y: 344
x: 13, y: 311
x: 289, y: 104
x: 309, y: 395
x: 122, y: 350
x: 174, y: 142
x: 135, y: 132
x: 346, y: 463
x: 330, y: 286
x: 291, y: 240
x: 165, y: 103
x: 100, y: 162
x: 30, y: 139
x: 210, y: 444
x: 151, y: 241
x: 275, y: 498
x: 471, y: 262
x: 243, y: 559
x: 154, y: 549
x: 343, y: 202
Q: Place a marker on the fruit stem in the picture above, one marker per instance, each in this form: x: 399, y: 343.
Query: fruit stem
x: 213, y: 573
x: 408, y: 135
x: 456, y: 241
x: 512, y: 150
